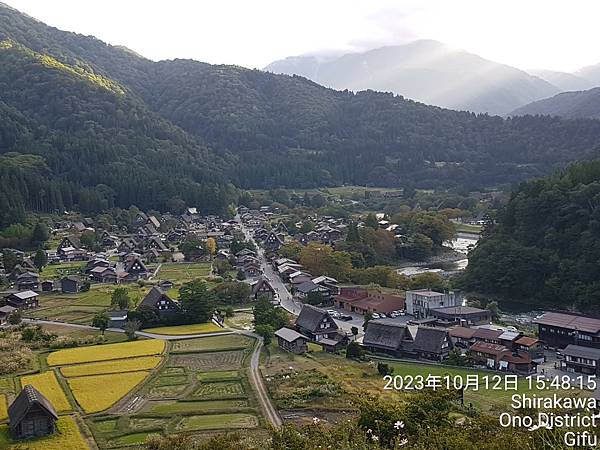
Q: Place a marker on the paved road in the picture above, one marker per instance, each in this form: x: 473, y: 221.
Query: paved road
x: 262, y: 394
x: 269, y: 410
x: 286, y: 299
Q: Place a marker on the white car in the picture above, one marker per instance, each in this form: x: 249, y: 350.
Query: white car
x: 375, y: 316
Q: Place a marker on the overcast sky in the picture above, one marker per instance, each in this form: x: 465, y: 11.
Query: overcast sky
x: 550, y: 34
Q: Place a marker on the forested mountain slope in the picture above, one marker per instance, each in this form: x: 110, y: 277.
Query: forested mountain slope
x: 545, y: 248
x: 117, y: 128
x: 568, y: 104
x: 89, y: 133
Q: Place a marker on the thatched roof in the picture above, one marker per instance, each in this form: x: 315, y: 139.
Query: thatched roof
x: 28, y: 398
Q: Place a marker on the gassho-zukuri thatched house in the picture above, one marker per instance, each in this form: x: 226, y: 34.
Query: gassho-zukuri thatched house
x: 31, y: 415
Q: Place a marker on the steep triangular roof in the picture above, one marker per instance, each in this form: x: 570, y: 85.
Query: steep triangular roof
x: 385, y: 334
x: 310, y: 317
x: 26, y: 399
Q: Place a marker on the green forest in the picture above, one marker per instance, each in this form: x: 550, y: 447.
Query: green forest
x: 88, y: 126
x: 544, y: 249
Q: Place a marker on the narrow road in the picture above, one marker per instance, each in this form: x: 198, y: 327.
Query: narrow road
x: 268, y: 409
x: 286, y: 300
x: 155, y: 271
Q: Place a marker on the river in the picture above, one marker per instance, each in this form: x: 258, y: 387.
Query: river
x: 462, y: 244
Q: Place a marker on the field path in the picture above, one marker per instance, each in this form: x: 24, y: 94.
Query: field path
x: 269, y: 410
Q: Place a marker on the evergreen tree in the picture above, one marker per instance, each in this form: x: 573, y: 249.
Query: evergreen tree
x: 40, y: 259
x: 9, y: 260
x: 353, y: 235
x: 371, y: 221
x: 197, y: 301
x: 40, y: 234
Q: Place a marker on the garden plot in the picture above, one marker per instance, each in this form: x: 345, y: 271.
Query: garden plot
x: 191, y: 407
x: 219, y: 389
x: 212, y: 344
x: 205, y: 362
x: 201, y: 388
x: 217, y: 421
x: 225, y: 375
x: 180, y: 273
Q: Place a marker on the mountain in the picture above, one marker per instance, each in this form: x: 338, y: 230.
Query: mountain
x: 591, y: 73
x: 563, y: 80
x: 425, y: 71
x: 568, y: 104
x: 86, y: 125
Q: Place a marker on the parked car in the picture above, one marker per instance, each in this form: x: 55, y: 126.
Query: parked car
x: 345, y: 317
x: 375, y: 316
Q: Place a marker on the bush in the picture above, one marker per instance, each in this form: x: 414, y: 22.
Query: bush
x: 354, y: 350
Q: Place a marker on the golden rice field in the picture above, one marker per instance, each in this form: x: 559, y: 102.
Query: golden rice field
x: 181, y: 330
x: 3, y: 408
x: 113, y: 366
x: 48, y: 385
x: 68, y: 437
x: 106, y: 352
x: 99, y: 392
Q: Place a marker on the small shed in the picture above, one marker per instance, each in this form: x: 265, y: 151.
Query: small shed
x: 47, y: 286
x: 70, y: 284
x: 292, y: 341
x: 6, y: 311
x: 31, y: 415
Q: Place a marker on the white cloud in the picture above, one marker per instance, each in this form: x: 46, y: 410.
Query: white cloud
x: 550, y: 34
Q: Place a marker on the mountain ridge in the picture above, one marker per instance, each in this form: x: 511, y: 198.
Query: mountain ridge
x: 417, y: 69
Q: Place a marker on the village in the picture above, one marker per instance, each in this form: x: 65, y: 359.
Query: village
x: 207, y: 376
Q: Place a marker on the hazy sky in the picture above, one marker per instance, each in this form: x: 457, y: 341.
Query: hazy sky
x: 551, y: 34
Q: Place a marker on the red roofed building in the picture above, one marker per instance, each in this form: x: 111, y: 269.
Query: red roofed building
x: 498, y: 357
x: 359, y: 300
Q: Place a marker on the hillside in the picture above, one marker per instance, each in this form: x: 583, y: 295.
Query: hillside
x: 544, y: 250
x: 89, y: 132
x: 112, y: 127
x: 425, y: 71
x: 568, y: 104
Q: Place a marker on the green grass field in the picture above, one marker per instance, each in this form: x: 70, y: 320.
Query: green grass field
x: 57, y: 271
x: 80, y: 308
x: 467, y: 228
x: 169, y: 408
x: 180, y: 273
